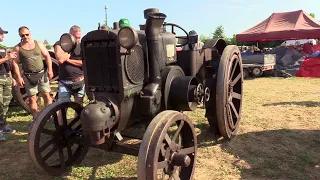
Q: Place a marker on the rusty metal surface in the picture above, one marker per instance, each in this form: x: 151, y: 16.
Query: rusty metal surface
x: 157, y: 149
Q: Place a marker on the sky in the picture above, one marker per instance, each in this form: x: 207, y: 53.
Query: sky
x: 48, y: 20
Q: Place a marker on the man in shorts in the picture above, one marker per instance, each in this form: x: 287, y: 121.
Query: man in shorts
x: 35, y: 78
x: 71, y: 78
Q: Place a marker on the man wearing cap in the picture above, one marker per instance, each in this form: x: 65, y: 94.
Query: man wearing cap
x: 6, y: 83
x: 124, y: 22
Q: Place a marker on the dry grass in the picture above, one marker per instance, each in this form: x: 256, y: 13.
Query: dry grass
x: 279, y: 138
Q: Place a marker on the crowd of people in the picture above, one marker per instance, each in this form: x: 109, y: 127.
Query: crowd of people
x: 36, y: 73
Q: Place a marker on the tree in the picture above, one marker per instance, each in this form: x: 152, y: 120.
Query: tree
x: 232, y: 41
x: 48, y: 46
x: 203, y: 38
x: 313, y: 15
x: 219, y: 32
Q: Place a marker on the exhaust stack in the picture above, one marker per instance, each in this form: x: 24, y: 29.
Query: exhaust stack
x: 152, y: 29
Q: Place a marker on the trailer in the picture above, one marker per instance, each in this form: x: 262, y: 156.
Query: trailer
x: 258, y: 64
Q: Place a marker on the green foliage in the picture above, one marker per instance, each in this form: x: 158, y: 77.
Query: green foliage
x: 3, y: 46
x: 313, y: 15
x: 203, y: 38
x: 48, y: 46
x: 219, y: 32
x: 232, y: 41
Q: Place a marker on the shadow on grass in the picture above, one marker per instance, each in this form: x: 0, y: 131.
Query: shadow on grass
x: 15, y: 111
x: 273, y: 154
x: 280, y: 154
x: 94, y: 162
x: 299, y: 103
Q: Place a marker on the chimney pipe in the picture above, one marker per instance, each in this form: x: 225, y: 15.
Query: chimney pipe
x: 152, y: 29
x: 116, y: 25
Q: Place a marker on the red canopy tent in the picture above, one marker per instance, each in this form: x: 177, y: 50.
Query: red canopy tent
x: 282, y: 26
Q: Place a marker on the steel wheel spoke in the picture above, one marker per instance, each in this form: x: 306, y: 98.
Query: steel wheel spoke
x: 234, y: 68
x: 178, y: 131
x: 230, y: 119
x: 47, y: 132
x: 186, y: 151
x: 54, y: 149
x: 236, y: 95
x: 24, y: 95
x: 64, y: 116
x: 175, y: 176
x: 74, y: 121
x: 167, y: 138
x: 78, y: 127
x: 55, y: 117
x: 61, y: 156
x: 46, y: 145
x: 234, y: 109
x: 162, y: 150
x: 69, y: 151
x: 162, y: 164
x: 236, y: 79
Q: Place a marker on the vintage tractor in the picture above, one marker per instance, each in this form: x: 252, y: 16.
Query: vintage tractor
x: 139, y: 87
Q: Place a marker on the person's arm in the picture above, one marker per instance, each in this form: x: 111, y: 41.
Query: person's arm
x: 15, y: 67
x: 75, y: 62
x: 10, y: 55
x: 64, y: 57
x: 46, y: 55
x: 61, y: 56
x: 2, y: 60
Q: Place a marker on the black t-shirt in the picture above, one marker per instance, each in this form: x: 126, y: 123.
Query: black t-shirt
x: 69, y: 71
x: 5, y: 67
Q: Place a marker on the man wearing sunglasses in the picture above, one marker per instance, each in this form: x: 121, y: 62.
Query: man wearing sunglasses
x: 35, y: 78
x: 6, y: 83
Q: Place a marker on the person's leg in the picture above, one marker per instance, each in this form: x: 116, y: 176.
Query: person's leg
x: 7, y: 96
x: 63, y: 95
x: 79, y: 96
x: 33, y: 105
x: 32, y: 91
x: 44, y: 88
x: 2, y: 117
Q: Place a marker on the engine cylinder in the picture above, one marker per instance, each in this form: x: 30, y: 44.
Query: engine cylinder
x: 95, y: 119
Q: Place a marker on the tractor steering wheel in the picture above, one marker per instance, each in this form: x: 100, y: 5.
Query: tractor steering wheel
x: 179, y: 37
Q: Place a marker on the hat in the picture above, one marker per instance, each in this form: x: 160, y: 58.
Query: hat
x: 124, y: 22
x: 3, y: 31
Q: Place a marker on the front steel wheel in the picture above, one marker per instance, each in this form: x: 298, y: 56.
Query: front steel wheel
x: 56, y: 147
x: 168, y: 149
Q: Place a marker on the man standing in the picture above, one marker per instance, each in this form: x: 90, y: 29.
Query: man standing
x: 35, y: 79
x: 71, y: 78
x: 6, y: 83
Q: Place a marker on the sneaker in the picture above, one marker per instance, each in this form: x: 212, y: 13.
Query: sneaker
x: 2, y: 138
x: 7, y: 129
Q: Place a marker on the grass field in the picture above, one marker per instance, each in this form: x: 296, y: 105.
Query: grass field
x: 279, y: 138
